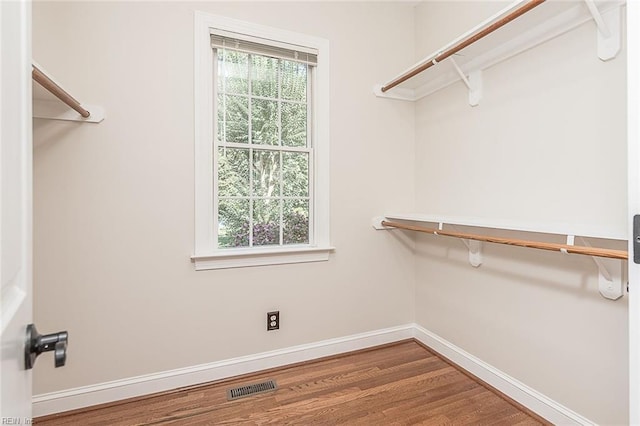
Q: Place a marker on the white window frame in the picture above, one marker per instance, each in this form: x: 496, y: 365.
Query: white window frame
x: 207, y: 255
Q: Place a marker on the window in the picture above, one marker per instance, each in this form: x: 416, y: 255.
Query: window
x: 261, y: 145
x: 263, y: 154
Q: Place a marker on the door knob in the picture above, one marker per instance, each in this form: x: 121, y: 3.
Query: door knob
x: 37, y: 343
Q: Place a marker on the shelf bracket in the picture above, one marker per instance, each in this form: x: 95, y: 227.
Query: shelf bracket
x: 473, y: 82
x: 376, y: 222
x: 610, y: 275
x: 474, y: 247
x: 609, y: 35
x: 460, y: 73
x: 570, y: 242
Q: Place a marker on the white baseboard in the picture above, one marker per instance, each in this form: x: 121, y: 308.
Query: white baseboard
x: 535, y: 401
x: 86, y: 396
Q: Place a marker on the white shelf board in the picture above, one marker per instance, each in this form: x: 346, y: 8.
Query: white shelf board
x: 46, y: 105
x: 544, y: 22
x: 575, y: 229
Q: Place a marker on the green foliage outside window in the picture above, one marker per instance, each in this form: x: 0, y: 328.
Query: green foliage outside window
x: 263, y: 194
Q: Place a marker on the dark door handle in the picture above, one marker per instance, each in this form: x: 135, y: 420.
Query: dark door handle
x: 37, y: 343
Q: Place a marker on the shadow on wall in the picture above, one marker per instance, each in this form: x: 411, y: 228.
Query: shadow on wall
x: 523, y: 262
x: 46, y: 132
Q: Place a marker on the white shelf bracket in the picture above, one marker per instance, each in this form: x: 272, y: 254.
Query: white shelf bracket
x: 474, y: 247
x: 460, y: 73
x: 376, y: 222
x: 570, y: 242
x: 597, y: 16
x: 473, y: 82
x: 610, y: 276
x: 475, y: 93
x: 609, y: 35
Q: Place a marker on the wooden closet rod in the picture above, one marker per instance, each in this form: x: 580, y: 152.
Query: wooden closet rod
x: 464, y: 43
x: 589, y: 251
x: 43, y: 80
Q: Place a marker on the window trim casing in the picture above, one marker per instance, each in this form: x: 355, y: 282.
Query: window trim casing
x: 206, y: 255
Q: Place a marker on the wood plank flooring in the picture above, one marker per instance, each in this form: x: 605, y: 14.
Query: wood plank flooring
x: 399, y: 384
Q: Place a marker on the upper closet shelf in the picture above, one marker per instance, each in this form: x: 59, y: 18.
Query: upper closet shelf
x: 521, y: 26
x: 52, y: 101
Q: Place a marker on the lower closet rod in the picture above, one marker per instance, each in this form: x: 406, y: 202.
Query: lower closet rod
x: 588, y: 251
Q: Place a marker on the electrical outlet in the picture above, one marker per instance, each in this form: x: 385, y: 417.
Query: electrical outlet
x: 273, y: 320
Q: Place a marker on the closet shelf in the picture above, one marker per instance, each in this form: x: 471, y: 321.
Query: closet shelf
x: 575, y: 229
x: 52, y: 101
x: 521, y: 26
x: 608, y: 261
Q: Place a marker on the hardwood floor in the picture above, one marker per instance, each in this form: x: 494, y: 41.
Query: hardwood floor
x: 398, y: 384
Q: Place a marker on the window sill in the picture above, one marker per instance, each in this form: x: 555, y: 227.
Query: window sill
x: 240, y: 258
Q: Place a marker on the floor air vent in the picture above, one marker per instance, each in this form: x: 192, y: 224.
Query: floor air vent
x: 248, y: 390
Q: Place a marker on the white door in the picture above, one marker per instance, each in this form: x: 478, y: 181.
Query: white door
x: 15, y: 208
x: 633, y: 170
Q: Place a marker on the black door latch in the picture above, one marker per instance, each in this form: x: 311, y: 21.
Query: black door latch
x: 37, y: 343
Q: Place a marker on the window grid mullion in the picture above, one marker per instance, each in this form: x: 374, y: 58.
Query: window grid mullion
x: 280, y: 201
x: 266, y: 147
x: 216, y: 131
x: 224, y: 97
x: 244, y: 197
x: 264, y: 98
x: 311, y: 159
x: 250, y: 119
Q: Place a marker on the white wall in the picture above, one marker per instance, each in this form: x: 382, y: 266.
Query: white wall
x: 546, y: 144
x: 114, y: 201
